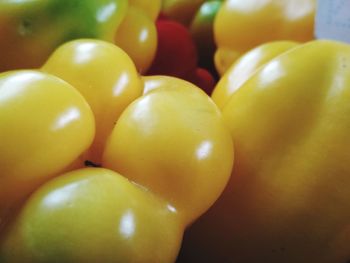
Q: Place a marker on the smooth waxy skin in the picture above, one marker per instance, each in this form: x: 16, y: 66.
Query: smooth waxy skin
x: 137, y: 35
x: 93, y: 215
x: 45, y: 125
x: 253, y: 22
x: 176, y: 52
x: 105, y: 75
x: 173, y: 141
x: 150, y: 8
x: 288, y: 197
x: 181, y: 10
x: 31, y: 30
x: 244, y: 67
x: 151, y: 83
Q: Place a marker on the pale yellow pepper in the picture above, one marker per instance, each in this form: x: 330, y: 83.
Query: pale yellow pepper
x: 288, y: 196
x: 242, y: 25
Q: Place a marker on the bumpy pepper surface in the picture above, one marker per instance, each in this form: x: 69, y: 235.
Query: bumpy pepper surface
x: 164, y: 162
x: 45, y: 124
x: 245, y: 66
x: 105, y: 75
x: 242, y: 25
x: 288, y: 196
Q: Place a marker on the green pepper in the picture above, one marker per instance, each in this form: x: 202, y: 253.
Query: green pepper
x: 202, y: 32
x: 31, y: 29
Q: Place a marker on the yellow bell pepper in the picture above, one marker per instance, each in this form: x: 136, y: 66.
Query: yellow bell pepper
x: 288, y: 196
x: 242, y: 25
x: 107, y: 78
x: 244, y: 67
x: 137, y: 34
x: 150, y: 8
x: 42, y: 129
x: 164, y: 152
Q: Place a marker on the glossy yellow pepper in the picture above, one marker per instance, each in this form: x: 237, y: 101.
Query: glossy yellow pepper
x: 137, y: 34
x: 164, y: 143
x: 107, y: 78
x: 150, y: 8
x: 242, y: 25
x: 165, y: 156
x: 288, y: 196
x: 244, y: 67
x: 93, y: 215
x: 45, y: 125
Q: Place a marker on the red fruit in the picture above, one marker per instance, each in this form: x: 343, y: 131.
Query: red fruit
x: 176, y: 53
x: 202, y: 78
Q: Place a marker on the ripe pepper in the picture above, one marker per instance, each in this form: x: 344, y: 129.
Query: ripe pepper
x: 176, y: 52
x: 177, y: 55
x: 198, y: 17
x: 41, y: 131
x: 158, y: 173
x: 245, y: 66
x: 242, y: 25
x: 288, y: 196
x: 186, y: 51
x: 31, y: 30
x: 182, y: 11
x: 137, y: 34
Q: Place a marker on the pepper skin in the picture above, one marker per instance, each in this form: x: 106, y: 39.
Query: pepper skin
x: 198, y: 17
x: 251, y: 23
x: 164, y: 162
x: 45, y: 125
x: 137, y: 35
x: 160, y: 81
x: 176, y: 52
x: 288, y: 196
x: 150, y: 8
x: 93, y: 215
x: 31, y: 30
x: 107, y: 78
x: 245, y: 66
x: 182, y: 11
x: 184, y: 158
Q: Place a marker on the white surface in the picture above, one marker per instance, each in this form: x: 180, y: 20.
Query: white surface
x: 333, y: 20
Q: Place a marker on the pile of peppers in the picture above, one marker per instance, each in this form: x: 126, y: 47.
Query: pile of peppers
x: 240, y: 26
x: 101, y: 162
x: 103, y: 165
x: 31, y: 30
x: 288, y: 195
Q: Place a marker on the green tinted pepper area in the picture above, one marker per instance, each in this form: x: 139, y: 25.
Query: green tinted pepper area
x: 31, y: 29
x: 201, y: 29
